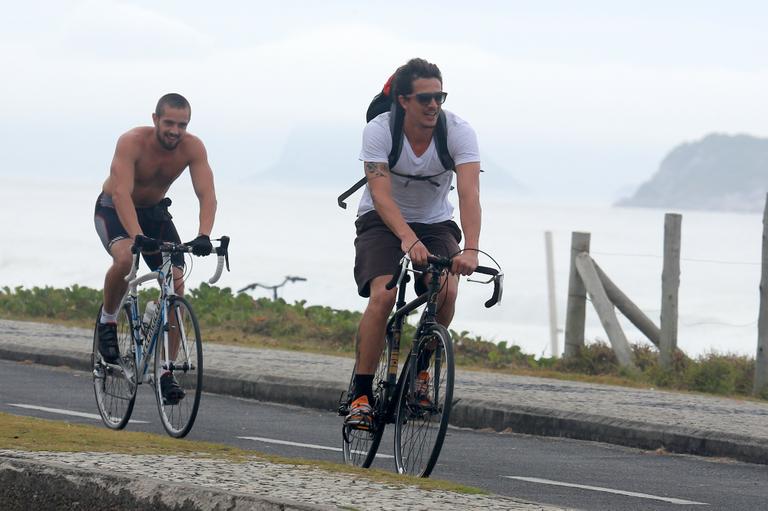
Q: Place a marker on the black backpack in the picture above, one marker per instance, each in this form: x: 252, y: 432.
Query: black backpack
x: 383, y: 102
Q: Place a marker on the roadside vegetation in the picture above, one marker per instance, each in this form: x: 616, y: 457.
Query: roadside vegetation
x: 240, y: 319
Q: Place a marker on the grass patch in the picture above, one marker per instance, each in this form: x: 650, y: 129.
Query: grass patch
x: 33, y: 434
x: 240, y: 320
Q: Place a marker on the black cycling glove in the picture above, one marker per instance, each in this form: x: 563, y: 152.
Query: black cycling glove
x: 201, y: 246
x: 146, y: 244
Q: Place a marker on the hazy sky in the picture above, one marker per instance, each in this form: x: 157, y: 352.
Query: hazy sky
x: 574, y: 99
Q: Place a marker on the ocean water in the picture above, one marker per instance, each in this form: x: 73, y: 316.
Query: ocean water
x: 49, y: 239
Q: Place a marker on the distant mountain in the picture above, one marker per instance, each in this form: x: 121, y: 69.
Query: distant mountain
x: 327, y: 156
x: 718, y: 172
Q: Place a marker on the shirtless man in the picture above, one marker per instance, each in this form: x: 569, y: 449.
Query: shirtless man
x: 133, y: 207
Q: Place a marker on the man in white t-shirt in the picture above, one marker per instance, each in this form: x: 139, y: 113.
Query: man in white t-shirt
x: 406, y: 209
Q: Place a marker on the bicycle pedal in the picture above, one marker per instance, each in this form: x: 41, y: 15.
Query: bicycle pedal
x: 343, y: 409
x: 359, y: 427
x: 127, y: 372
x: 345, y: 432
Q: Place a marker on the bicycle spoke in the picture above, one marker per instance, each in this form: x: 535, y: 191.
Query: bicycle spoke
x: 180, y: 358
x: 182, y: 333
x: 422, y: 415
x: 114, y: 389
x: 360, y: 446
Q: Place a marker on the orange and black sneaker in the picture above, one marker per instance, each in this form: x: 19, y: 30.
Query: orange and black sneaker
x: 422, y: 389
x: 360, y: 414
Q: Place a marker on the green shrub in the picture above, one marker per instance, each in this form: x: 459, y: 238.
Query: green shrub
x: 712, y: 376
x: 478, y: 352
x: 75, y: 302
x: 720, y: 374
x: 594, y: 359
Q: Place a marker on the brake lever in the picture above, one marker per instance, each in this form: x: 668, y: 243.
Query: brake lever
x: 404, y: 265
x: 223, y: 249
x: 481, y: 281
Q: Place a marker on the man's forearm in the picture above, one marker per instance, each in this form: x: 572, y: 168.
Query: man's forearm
x: 471, y: 217
x: 207, y: 215
x: 381, y: 193
x: 391, y: 216
x: 126, y: 212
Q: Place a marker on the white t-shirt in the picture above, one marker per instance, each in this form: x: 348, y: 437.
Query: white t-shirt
x: 419, y: 201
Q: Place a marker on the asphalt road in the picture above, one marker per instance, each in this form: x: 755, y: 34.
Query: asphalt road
x: 569, y: 473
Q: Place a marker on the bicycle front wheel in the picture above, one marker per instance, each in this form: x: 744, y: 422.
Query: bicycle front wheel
x: 424, y: 403
x: 114, y: 385
x: 183, y: 362
x: 360, y: 446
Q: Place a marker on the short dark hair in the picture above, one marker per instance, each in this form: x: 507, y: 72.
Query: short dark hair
x: 413, y: 70
x: 172, y: 100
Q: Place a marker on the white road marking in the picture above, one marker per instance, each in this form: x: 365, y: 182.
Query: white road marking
x: 67, y: 412
x: 608, y: 490
x: 308, y: 446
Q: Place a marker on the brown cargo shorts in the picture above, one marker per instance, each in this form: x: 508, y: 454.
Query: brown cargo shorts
x: 377, y: 249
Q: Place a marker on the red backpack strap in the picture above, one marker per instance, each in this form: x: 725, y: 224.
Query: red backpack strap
x: 387, y: 89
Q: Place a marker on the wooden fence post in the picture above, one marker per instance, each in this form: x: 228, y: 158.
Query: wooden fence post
x: 576, y: 308
x: 604, y: 309
x: 761, y: 360
x: 670, y: 284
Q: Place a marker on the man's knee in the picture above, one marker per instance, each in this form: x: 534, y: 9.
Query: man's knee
x: 121, y: 255
x: 382, y: 300
x: 450, y: 291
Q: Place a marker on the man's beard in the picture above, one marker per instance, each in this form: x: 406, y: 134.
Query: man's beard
x: 166, y: 145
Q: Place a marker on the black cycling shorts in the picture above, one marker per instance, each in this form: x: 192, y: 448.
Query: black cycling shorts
x: 155, y: 222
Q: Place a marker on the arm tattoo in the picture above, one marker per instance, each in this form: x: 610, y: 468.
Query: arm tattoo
x: 374, y: 170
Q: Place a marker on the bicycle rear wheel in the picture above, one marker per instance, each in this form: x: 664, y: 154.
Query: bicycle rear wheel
x: 360, y: 446
x: 114, y: 385
x: 422, y: 413
x: 184, y: 363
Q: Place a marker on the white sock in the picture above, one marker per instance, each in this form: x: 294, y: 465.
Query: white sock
x: 108, y: 318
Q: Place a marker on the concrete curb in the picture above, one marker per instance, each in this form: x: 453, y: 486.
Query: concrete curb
x: 581, y: 426
x: 476, y: 414
x: 27, y: 484
x: 17, y: 353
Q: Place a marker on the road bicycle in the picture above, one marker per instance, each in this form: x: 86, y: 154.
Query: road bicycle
x: 419, y: 402
x: 168, y: 334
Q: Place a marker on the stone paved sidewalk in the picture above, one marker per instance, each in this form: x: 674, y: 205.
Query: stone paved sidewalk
x: 644, y: 418
x: 289, y: 485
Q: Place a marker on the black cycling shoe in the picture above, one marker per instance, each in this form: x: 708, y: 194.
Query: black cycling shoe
x: 108, y: 347
x: 170, y: 389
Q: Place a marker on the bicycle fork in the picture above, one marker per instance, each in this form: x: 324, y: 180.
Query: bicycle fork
x: 417, y: 364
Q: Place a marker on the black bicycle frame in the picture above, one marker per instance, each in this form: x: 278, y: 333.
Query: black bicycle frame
x: 394, y: 333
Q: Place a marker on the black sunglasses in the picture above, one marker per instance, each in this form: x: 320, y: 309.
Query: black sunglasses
x: 425, y: 98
